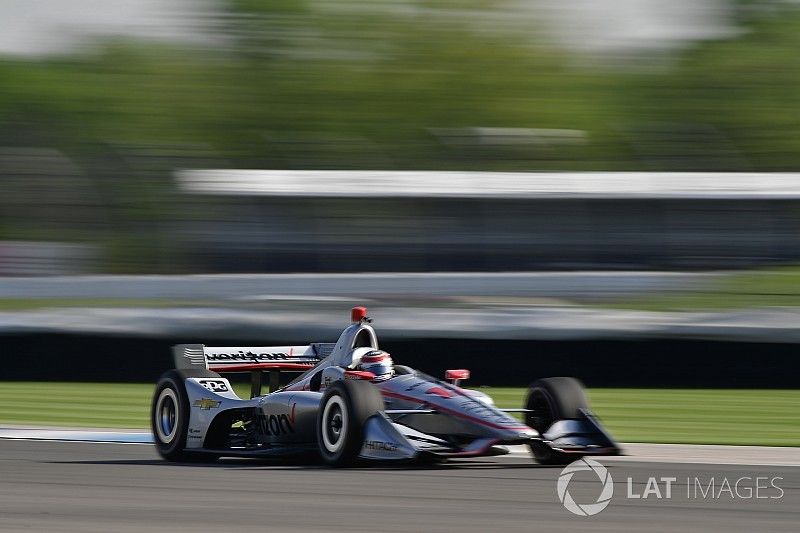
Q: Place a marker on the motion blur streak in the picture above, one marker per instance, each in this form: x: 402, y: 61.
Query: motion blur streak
x: 100, y: 102
x: 601, y: 188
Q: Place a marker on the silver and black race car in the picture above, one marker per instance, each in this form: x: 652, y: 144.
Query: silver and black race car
x: 343, y: 412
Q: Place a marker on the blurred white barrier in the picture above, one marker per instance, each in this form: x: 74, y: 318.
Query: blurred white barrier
x: 497, y: 322
x: 456, y: 184
x: 29, y: 258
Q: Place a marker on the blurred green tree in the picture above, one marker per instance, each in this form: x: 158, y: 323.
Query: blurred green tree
x: 312, y: 84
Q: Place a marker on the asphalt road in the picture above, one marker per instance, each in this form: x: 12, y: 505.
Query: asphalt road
x: 68, y: 486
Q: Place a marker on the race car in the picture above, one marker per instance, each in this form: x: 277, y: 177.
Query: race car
x: 351, y: 403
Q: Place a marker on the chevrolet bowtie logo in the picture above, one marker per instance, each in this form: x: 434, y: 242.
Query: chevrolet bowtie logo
x: 206, y: 403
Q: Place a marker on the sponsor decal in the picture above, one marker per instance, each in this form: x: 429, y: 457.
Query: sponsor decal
x: 273, y: 425
x: 214, y: 385
x: 206, y: 403
x: 248, y: 356
x: 380, y: 445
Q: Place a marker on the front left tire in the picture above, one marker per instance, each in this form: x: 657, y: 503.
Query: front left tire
x: 343, y: 411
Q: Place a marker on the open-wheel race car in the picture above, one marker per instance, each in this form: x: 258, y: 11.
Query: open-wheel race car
x: 352, y: 403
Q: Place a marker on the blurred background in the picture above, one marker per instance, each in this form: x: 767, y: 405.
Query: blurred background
x: 105, y: 106
x: 604, y: 180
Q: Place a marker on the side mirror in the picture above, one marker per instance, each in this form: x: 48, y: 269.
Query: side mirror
x: 455, y: 376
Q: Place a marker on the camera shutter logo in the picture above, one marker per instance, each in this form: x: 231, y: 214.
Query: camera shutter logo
x: 585, y: 509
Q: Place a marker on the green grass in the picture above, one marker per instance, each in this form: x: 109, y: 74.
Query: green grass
x: 691, y: 416
x: 756, y: 417
x: 767, y: 287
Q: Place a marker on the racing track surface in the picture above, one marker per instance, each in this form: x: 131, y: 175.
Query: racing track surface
x: 78, y: 486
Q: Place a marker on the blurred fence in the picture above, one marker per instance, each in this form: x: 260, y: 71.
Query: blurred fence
x: 221, y: 221
x: 472, y: 221
x: 599, y: 363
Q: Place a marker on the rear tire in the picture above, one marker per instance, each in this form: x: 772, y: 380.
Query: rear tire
x: 169, y: 420
x: 550, y: 400
x: 343, y: 410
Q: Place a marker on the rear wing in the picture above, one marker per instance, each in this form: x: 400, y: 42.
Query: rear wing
x: 276, y: 359
x: 247, y: 358
x: 255, y: 359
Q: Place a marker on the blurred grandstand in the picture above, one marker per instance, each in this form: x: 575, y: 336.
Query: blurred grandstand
x: 266, y: 221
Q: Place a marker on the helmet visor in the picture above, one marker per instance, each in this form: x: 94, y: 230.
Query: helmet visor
x: 382, y: 369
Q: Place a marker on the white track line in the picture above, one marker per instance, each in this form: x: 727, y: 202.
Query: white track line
x: 651, y: 453
x: 698, y: 454
x: 77, y: 435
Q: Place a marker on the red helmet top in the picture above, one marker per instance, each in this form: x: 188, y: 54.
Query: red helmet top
x: 374, y: 356
x: 379, y: 363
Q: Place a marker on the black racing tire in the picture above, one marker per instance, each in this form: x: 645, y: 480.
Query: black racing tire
x: 169, y: 420
x: 550, y: 400
x: 345, y: 407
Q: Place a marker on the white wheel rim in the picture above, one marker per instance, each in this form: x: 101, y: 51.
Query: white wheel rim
x: 334, y: 424
x: 166, y: 416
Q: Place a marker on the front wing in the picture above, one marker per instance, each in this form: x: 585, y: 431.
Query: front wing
x: 387, y: 440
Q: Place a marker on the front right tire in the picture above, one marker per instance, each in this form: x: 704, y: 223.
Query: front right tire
x: 550, y: 400
x: 169, y: 416
x: 169, y: 420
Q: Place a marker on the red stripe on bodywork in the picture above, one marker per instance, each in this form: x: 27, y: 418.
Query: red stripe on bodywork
x: 479, y: 451
x: 359, y: 374
x: 453, y: 412
x: 260, y: 366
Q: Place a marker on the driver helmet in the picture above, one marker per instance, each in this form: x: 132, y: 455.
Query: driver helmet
x: 379, y: 363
